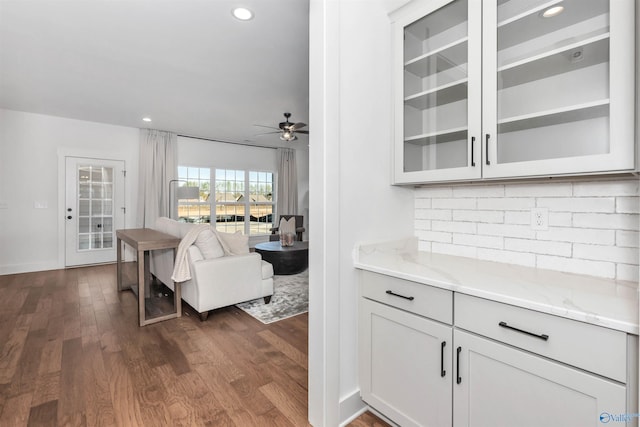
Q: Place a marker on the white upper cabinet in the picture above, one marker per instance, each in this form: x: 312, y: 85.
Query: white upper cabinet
x: 507, y: 88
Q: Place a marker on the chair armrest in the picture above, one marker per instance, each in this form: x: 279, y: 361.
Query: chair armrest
x: 229, y: 268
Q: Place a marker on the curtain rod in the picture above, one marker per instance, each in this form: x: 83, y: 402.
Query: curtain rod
x: 229, y: 142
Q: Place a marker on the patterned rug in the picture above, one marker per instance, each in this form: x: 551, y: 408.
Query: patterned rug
x: 290, y: 298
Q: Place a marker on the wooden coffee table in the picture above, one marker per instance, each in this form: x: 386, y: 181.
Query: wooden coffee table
x: 285, y: 259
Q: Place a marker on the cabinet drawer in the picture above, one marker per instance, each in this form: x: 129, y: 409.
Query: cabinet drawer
x: 593, y: 348
x: 417, y: 298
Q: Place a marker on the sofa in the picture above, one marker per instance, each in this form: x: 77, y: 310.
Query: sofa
x: 223, y: 271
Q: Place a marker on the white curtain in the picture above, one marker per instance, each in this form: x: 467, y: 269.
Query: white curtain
x: 287, y: 202
x: 158, y: 154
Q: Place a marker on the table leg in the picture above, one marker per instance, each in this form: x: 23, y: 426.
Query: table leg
x: 119, y: 263
x: 177, y: 292
x: 141, y: 286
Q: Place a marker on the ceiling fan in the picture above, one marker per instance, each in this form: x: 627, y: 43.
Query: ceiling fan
x: 287, y: 129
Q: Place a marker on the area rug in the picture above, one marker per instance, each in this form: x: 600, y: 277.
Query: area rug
x: 290, y: 298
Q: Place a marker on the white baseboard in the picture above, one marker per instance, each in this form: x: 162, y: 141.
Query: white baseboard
x: 351, y: 407
x: 28, y: 268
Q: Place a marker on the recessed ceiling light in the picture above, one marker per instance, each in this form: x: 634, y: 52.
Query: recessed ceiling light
x: 146, y: 119
x: 242, y: 13
x: 552, y: 11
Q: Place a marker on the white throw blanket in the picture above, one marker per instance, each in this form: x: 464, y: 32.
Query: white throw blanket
x: 181, y: 271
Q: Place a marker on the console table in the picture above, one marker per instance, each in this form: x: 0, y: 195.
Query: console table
x: 285, y: 259
x: 144, y: 240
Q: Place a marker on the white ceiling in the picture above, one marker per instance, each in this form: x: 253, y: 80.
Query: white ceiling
x: 188, y: 64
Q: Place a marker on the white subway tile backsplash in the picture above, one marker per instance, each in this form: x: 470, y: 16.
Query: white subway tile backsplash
x: 422, y: 224
x: 434, y: 236
x: 422, y: 203
x: 453, y: 226
x: 479, y: 191
x: 517, y: 217
x: 578, y: 204
x: 479, y: 216
x: 606, y: 221
x: 507, y: 204
x: 547, y: 189
x: 520, y: 258
x: 441, y: 214
x: 449, y: 203
x: 627, y: 239
x: 433, y: 192
x: 560, y: 219
x: 538, y: 247
x: 577, y: 266
x: 506, y: 230
x: 593, y: 225
x: 627, y: 272
x: 566, y: 234
x: 606, y: 188
x: 458, y: 250
x: 606, y: 253
x: 479, y: 241
x: 628, y: 205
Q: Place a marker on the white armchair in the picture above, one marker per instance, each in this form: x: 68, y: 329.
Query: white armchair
x: 215, y: 282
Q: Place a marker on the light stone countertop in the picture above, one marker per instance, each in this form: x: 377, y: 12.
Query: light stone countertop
x: 603, y: 302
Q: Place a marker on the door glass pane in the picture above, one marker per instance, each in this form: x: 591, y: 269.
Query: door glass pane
x: 552, y: 79
x: 435, y: 89
x: 95, y: 207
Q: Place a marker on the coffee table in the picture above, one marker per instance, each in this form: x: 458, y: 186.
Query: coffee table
x: 285, y: 259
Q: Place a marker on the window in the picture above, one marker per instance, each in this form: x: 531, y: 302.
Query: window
x: 244, y: 201
x: 191, y: 210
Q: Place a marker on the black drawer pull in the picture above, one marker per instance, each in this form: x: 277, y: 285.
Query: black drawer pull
x: 459, y: 378
x: 486, y: 149
x: 543, y: 337
x: 399, y: 296
x: 473, y: 141
x: 442, y: 371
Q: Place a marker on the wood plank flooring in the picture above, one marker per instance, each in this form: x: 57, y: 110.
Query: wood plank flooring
x: 71, y: 354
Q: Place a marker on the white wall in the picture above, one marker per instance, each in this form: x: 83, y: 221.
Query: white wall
x: 351, y: 196
x: 593, y: 224
x: 210, y: 154
x: 29, y: 151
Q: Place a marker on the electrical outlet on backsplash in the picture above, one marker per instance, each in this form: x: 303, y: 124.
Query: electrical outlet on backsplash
x: 577, y: 226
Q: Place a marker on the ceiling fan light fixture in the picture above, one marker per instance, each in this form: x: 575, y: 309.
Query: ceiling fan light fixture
x: 288, y: 136
x: 242, y: 13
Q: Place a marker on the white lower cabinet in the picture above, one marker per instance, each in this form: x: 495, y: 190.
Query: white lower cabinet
x: 405, y: 367
x: 486, y: 363
x: 498, y: 385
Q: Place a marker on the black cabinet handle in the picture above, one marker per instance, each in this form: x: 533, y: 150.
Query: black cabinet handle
x: 473, y: 141
x: 69, y: 217
x: 458, y: 377
x: 400, y: 296
x: 442, y: 371
x: 543, y: 337
x: 486, y: 149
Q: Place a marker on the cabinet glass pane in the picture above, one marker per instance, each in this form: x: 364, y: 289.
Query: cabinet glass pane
x: 435, y: 89
x: 552, y: 79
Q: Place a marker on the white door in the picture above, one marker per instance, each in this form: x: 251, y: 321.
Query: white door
x: 497, y: 385
x: 94, y: 209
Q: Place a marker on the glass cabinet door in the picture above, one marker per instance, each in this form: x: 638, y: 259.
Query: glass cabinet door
x: 439, y: 86
x: 549, y: 94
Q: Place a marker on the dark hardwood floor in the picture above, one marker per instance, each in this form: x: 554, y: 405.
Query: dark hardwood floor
x: 71, y: 354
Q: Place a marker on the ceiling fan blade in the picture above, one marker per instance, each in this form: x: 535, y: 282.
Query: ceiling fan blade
x: 266, y: 133
x: 270, y: 127
x: 303, y: 132
x: 297, y: 126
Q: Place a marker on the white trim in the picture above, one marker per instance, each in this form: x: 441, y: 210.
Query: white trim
x: 28, y: 268
x: 351, y: 407
x: 324, y: 213
x: 63, y: 153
